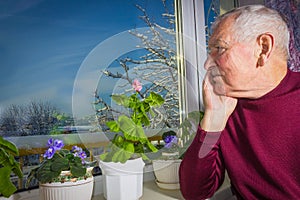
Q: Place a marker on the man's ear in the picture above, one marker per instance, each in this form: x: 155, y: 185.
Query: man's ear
x: 265, y: 45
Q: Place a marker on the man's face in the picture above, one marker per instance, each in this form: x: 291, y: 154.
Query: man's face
x: 231, y: 65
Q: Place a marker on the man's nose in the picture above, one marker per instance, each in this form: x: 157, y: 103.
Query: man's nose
x: 209, y: 62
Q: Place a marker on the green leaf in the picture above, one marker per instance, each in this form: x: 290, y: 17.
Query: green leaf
x: 104, y: 156
x: 8, y: 164
x: 113, y: 126
x: 17, y: 169
x: 139, y: 148
x: 107, y: 157
x: 8, y: 160
x: 76, y: 167
x: 7, y: 188
x: 4, y: 158
x: 58, y: 164
x: 145, y: 120
x: 154, y: 99
x: 144, y: 157
x: 134, y: 102
x: 8, y: 146
x: 151, y: 146
x: 121, y: 156
x: 118, y: 140
x: 44, y: 174
x: 142, y: 107
x: 131, y: 130
x: 129, y: 146
x: 122, y: 100
x: 146, y: 106
x: 62, y: 153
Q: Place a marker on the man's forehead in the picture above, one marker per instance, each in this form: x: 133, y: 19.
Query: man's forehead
x: 218, y: 41
x: 223, y: 32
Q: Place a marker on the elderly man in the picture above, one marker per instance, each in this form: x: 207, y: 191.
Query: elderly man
x: 251, y: 125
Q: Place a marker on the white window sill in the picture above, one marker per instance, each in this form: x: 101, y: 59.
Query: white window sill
x: 150, y: 190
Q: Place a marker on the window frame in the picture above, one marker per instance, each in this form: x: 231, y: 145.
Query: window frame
x: 191, y: 49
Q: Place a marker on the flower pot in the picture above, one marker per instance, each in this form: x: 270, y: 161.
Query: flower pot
x: 123, y: 181
x: 79, y: 190
x: 167, y: 173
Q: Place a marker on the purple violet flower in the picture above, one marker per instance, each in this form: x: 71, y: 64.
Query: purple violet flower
x: 76, y: 149
x: 58, y: 144
x: 170, y: 140
x: 50, y: 142
x: 53, y: 147
x: 49, y: 153
x: 78, y: 152
x: 82, y: 155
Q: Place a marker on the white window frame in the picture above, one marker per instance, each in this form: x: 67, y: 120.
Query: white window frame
x: 191, y: 48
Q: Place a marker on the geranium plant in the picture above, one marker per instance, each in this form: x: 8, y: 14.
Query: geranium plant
x: 130, y: 140
x: 56, y: 160
x: 8, y: 164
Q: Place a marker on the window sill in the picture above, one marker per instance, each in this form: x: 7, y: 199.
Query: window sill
x: 150, y: 190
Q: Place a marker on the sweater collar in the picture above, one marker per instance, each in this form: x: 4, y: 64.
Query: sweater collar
x: 278, y: 90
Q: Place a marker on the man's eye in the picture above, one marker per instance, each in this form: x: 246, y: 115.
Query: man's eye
x: 217, y: 50
x: 220, y: 49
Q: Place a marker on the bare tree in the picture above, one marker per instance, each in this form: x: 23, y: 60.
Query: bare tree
x: 40, y: 117
x: 156, y: 67
x: 36, y: 118
x: 13, y: 120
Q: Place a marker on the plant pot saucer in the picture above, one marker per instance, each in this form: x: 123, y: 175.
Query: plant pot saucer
x: 168, y: 186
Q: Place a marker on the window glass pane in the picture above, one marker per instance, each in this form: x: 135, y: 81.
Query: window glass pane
x: 55, y: 60
x: 44, y: 44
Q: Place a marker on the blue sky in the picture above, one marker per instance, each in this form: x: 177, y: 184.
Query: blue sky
x: 43, y: 43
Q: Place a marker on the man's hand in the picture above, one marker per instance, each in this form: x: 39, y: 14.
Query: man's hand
x: 218, y: 108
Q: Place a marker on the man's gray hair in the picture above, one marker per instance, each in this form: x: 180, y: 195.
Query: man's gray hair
x: 254, y: 20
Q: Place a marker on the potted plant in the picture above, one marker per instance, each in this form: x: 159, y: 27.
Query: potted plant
x: 166, y: 166
x: 8, y: 164
x: 63, y: 174
x: 122, y: 165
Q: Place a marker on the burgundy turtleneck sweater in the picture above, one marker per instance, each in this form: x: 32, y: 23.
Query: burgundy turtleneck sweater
x: 259, y: 148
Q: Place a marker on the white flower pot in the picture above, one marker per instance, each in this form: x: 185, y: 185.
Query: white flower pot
x: 79, y: 190
x: 123, y: 181
x: 167, y: 173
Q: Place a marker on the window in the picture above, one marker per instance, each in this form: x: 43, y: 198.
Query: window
x: 60, y: 59
x: 55, y: 57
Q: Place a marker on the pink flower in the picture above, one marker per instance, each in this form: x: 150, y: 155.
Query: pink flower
x: 137, y: 85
